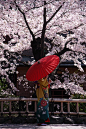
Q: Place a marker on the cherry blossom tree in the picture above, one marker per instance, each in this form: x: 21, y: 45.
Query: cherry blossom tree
x: 48, y: 27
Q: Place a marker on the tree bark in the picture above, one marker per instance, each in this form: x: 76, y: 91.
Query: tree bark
x: 43, y: 32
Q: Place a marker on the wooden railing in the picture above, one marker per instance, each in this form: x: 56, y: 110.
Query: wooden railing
x: 26, y: 101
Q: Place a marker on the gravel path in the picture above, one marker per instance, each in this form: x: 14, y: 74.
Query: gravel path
x: 34, y: 126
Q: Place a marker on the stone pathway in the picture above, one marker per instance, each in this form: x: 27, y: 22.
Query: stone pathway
x: 34, y: 126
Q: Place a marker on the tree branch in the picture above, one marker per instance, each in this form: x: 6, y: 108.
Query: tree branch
x: 19, y: 61
x: 65, y: 32
x: 65, y: 49
x: 43, y: 32
x: 54, y: 14
x: 69, y: 41
x: 25, y: 20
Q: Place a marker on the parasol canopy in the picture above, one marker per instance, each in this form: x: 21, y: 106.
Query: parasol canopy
x: 42, y: 68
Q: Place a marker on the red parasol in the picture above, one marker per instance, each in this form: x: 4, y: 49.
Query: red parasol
x: 42, y: 67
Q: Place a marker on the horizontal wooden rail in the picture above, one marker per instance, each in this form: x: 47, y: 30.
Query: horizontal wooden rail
x: 50, y: 99
x: 18, y: 99
x: 28, y: 112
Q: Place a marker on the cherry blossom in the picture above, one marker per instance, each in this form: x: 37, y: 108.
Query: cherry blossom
x: 59, y: 25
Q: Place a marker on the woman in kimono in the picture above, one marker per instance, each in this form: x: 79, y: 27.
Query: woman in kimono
x: 42, y: 93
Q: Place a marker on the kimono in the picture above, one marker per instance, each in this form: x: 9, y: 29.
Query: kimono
x: 42, y: 93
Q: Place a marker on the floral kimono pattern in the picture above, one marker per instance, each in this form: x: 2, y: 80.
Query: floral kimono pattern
x: 42, y: 93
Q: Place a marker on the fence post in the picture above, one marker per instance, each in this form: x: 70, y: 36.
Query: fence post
x: 1, y: 108
x: 27, y: 108
x: 10, y: 108
x: 77, y: 107
x: 35, y: 106
x: 61, y: 107
x: 68, y: 107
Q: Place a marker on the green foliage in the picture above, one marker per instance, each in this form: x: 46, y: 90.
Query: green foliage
x: 5, y: 92
x: 78, y: 96
x: 82, y: 106
x: 3, y: 86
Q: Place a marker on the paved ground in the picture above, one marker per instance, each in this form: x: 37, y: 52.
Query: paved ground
x: 34, y: 126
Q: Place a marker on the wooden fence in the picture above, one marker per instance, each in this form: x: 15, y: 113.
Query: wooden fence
x: 70, y: 104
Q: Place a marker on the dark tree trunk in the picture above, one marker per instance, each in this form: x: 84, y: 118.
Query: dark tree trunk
x: 36, y: 48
